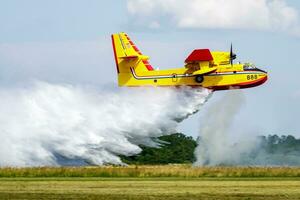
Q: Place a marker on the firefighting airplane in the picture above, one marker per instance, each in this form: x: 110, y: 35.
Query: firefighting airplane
x: 203, y: 68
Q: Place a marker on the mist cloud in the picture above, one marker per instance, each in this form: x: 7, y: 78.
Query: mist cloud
x: 215, y: 146
x: 219, y: 144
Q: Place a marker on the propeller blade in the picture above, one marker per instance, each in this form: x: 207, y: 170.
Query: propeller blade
x: 232, y: 55
x: 231, y: 61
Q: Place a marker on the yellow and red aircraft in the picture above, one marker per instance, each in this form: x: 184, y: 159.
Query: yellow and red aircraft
x: 213, y: 70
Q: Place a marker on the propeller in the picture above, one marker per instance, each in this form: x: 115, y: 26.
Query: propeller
x: 232, y: 55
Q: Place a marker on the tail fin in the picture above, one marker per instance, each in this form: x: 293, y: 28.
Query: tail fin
x: 127, y: 54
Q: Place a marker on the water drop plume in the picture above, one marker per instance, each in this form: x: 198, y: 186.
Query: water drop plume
x: 45, y: 123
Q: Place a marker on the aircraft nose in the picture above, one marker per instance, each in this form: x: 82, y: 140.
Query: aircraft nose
x: 265, y: 73
x: 264, y: 77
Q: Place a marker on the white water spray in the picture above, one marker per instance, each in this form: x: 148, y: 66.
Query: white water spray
x: 218, y: 146
x: 45, y: 120
x: 215, y: 146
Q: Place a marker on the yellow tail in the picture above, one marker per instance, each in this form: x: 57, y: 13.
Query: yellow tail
x: 128, y: 56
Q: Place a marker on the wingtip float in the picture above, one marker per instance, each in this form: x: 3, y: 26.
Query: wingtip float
x: 203, y: 68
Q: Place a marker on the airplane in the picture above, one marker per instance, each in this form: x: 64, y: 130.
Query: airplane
x: 203, y: 68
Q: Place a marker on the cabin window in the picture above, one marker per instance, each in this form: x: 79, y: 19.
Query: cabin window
x: 249, y: 66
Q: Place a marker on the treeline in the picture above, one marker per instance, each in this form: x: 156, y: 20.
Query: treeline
x: 179, y: 148
x: 175, y: 148
x: 280, y: 144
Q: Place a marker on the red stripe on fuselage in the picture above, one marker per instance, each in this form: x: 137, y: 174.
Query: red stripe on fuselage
x: 242, y: 85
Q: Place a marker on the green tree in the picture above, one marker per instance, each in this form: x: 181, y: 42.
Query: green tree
x: 283, y: 144
x: 175, y: 148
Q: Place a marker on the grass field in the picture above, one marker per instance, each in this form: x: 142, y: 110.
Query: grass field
x: 150, y: 188
x: 145, y: 171
x: 150, y: 182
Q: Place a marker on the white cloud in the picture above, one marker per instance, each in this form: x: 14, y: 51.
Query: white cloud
x: 272, y: 15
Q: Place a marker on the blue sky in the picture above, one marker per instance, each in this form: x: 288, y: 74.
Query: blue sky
x: 64, y: 41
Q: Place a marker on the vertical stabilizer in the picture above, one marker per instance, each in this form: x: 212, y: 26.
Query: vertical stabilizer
x: 127, y: 55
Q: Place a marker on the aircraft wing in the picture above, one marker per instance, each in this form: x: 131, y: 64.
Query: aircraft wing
x: 206, y: 71
x: 200, y: 61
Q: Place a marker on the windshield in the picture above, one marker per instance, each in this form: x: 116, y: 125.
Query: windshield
x: 249, y: 66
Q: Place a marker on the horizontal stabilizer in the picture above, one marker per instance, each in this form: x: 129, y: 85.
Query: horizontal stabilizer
x: 129, y: 57
x: 139, y: 57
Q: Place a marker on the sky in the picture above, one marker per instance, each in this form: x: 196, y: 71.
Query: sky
x: 68, y: 41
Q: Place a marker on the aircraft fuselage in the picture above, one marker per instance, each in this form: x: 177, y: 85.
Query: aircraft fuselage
x: 212, y: 70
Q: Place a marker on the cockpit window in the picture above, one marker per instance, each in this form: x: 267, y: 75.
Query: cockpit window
x: 249, y: 66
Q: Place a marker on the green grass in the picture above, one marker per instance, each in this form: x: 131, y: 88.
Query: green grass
x: 150, y: 188
x: 151, y: 171
x: 168, y: 182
